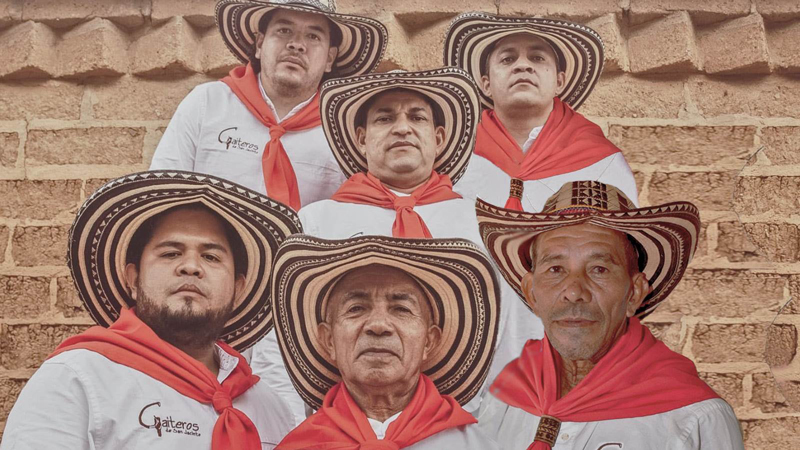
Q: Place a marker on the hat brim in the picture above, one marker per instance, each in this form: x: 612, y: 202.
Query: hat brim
x: 457, y: 276
x: 450, y: 88
x: 363, y: 39
x: 472, y: 35
x: 665, y: 236
x: 105, y: 224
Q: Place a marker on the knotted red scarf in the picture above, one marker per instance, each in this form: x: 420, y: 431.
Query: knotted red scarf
x: 341, y: 425
x: 365, y: 189
x: 130, y: 342
x: 568, y: 142
x: 279, y: 177
x: 638, y: 377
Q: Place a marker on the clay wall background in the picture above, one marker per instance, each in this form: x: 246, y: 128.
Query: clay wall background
x: 691, y: 91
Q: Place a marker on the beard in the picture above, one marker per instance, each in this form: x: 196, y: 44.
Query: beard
x: 184, y: 329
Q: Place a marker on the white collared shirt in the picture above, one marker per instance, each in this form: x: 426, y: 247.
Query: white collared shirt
x: 465, y: 437
x: 213, y: 132
x: 329, y: 219
x: 79, y: 399
x: 707, y: 425
x: 488, y: 182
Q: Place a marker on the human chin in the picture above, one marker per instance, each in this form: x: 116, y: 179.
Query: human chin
x: 574, y: 348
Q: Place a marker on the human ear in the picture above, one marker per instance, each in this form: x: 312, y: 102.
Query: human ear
x: 326, y: 338
x: 527, y: 290
x: 432, y: 338
x: 131, y: 277
x: 640, y: 289
x: 361, y: 140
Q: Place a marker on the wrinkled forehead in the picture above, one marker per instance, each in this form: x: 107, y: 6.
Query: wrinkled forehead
x: 398, y: 98
x: 376, y: 276
x: 298, y: 18
x: 523, y: 42
x: 582, y: 235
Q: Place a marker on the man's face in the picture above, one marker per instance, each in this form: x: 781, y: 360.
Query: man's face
x: 522, y: 72
x: 378, y: 328
x: 295, y: 51
x: 400, y: 140
x: 582, y: 290
x: 185, y: 276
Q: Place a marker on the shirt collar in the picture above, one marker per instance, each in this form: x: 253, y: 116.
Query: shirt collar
x: 531, y: 138
x: 272, y: 106
x: 380, y: 427
x: 227, y: 363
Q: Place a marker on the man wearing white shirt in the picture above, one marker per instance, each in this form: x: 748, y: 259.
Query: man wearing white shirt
x: 176, y: 286
x: 259, y: 126
x: 591, y: 265
x: 534, y: 73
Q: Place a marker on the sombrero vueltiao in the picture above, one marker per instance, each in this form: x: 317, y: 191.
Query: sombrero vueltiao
x: 363, y: 39
x: 578, y: 47
x: 102, y: 231
x: 452, y: 89
x: 457, y: 276
x: 665, y: 236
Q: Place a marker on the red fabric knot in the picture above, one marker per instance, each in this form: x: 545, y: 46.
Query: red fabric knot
x: 276, y: 131
x: 378, y: 444
x: 407, y: 201
x: 221, y: 400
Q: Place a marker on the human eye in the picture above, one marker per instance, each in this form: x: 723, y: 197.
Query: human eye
x: 283, y: 30
x: 507, y: 59
x: 354, y: 309
x: 554, y: 269
x: 600, y: 270
x: 169, y: 254
x: 419, y: 118
x: 211, y: 257
x: 314, y: 37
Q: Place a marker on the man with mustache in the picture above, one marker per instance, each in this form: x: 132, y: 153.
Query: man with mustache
x: 404, y: 139
x: 591, y: 265
x: 534, y: 73
x: 260, y: 125
x: 171, y: 266
x: 398, y: 334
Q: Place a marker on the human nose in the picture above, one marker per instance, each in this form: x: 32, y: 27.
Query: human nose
x: 575, y: 289
x: 190, y: 265
x: 377, y: 323
x: 401, y: 126
x: 296, y: 43
x: 523, y: 64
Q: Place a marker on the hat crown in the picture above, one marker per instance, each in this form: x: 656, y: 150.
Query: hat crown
x: 584, y: 197
x: 323, y: 5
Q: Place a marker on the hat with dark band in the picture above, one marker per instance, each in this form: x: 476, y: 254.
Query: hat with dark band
x: 450, y: 88
x: 664, y: 236
x: 105, y: 224
x: 579, y: 49
x: 363, y: 39
x: 456, y: 276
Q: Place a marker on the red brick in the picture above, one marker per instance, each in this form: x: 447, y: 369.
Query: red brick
x: 664, y: 45
x: 169, y: 49
x: 614, y: 45
x: 95, y: 48
x: 708, y: 190
x: 777, y: 242
x: 725, y: 293
x: 9, y: 391
x: 736, y: 46
x: 686, y: 146
x: 781, y: 144
x: 701, y: 11
x: 23, y: 297
x: 766, y: 396
x: 217, y: 60
x: 40, y: 100
x: 67, y: 13
x: 778, y: 10
x: 198, y: 12
x: 130, y: 98
x: 40, y: 246
x: 29, y: 52
x: 727, y: 385
x: 773, y: 96
x: 26, y: 346
x: 576, y: 10
x: 35, y: 199
x: 781, y: 345
x: 776, y: 194
x: 9, y: 149
x: 621, y: 95
x: 720, y: 343
x: 4, y: 232
x: 782, y: 433
x: 85, y: 146
x: 782, y: 39
x: 67, y: 300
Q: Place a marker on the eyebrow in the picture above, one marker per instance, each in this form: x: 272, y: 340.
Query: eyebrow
x: 180, y: 245
x: 603, y: 256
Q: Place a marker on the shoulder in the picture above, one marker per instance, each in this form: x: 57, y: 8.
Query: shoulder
x: 464, y: 437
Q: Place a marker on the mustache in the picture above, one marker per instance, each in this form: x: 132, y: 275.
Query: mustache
x: 574, y: 312
x: 190, y: 287
x: 377, y: 347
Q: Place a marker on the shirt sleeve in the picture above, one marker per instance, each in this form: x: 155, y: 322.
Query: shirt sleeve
x: 52, y: 412
x: 178, y: 145
x: 268, y: 364
x: 619, y: 174
x: 715, y: 427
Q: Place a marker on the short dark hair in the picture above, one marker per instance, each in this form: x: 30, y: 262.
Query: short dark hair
x: 634, y: 261
x: 561, y: 63
x: 363, y: 110
x: 335, y: 39
x: 145, y: 232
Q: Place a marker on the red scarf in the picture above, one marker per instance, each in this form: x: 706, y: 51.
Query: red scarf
x: 638, y: 377
x: 341, y: 425
x: 279, y: 177
x: 130, y: 342
x: 568, y: 142
x: 365, y: 189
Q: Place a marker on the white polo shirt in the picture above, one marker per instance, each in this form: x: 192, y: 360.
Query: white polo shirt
x: 707, y: 425
x: 79, y: 399
x: 488, y: 182
x: 213, y: 132
x: 330, y: 219
x: 465, y: 437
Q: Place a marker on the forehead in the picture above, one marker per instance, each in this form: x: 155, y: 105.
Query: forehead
x: 524, y: 41
x: 299, y: 18
x: 583, y: 236
x: 376, y: 276
x: 190, y: 223
x: 398, y: 99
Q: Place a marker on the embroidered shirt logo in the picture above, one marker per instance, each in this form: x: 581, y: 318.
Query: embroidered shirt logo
x: 226, y: 137
x: 166, y: 424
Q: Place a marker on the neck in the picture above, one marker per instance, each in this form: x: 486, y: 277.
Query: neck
x: 284, y: 100
x: 405, y: 186
x: 520, y: 121
x: 207, y: 355
x: 572, y: 372
x: 381, y: 404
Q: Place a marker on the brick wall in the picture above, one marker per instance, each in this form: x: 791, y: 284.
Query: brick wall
x: 692, y: 90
